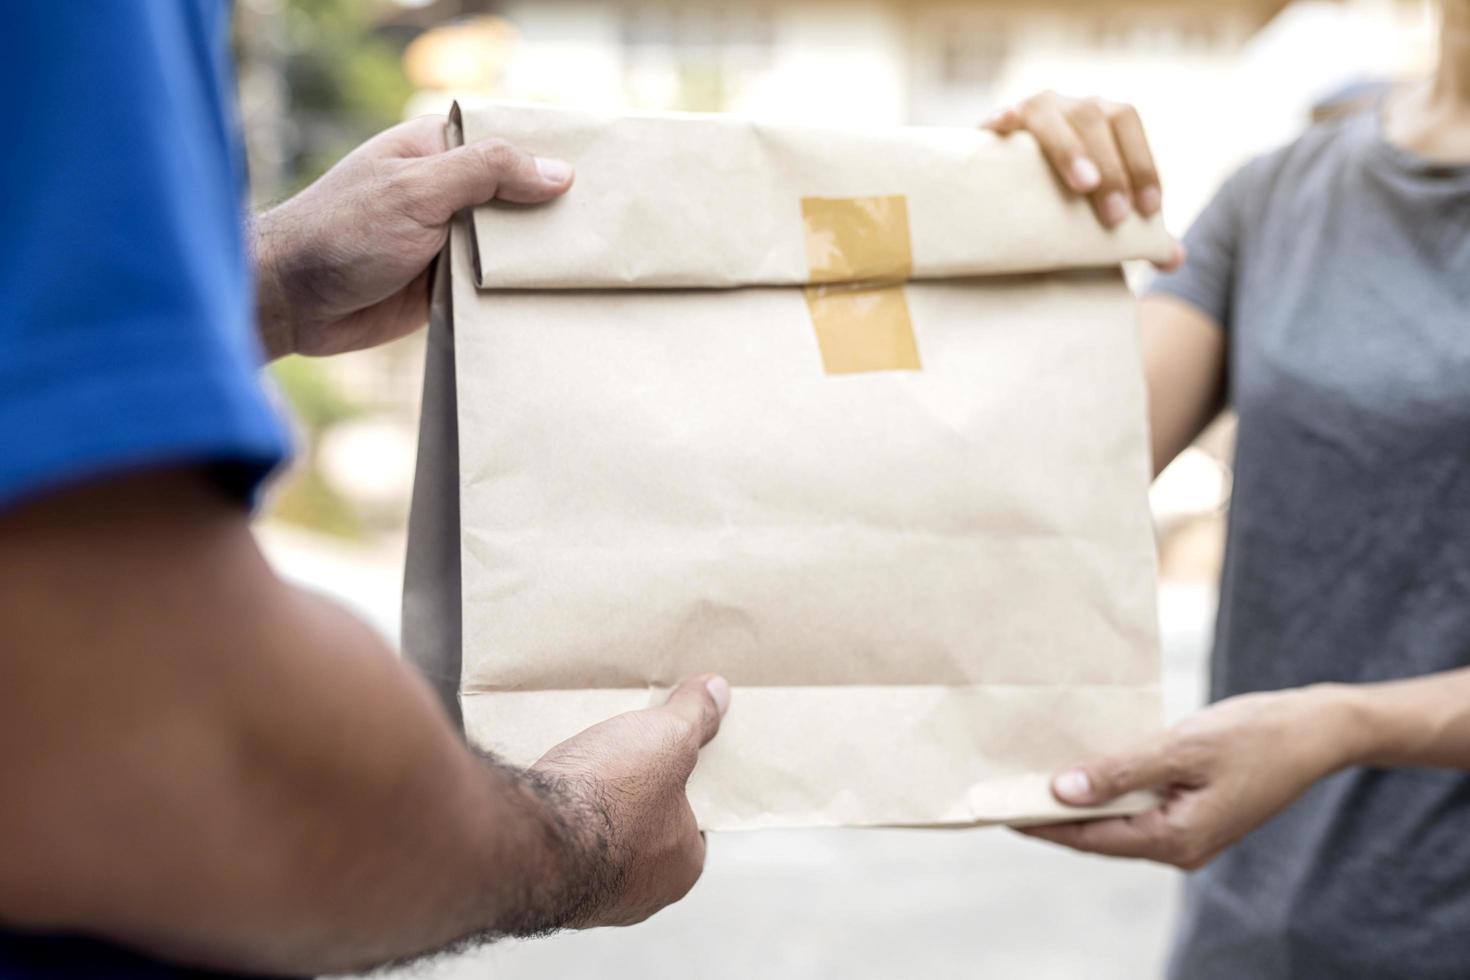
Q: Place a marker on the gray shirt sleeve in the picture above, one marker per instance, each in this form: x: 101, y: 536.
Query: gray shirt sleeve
x: 1207, y: 278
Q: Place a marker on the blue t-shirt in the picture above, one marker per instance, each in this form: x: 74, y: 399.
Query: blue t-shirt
x: 126, y: 303
x: 125, y: 294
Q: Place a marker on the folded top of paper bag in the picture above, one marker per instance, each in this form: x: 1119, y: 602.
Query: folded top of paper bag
x: 686, y: 200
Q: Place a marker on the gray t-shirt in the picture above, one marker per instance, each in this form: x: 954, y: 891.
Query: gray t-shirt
x: 1339, y: 268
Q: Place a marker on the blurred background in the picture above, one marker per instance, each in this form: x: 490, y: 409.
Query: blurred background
x: 1216, y: 82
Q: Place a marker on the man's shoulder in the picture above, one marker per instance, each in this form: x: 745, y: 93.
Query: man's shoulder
x: 123, y: 269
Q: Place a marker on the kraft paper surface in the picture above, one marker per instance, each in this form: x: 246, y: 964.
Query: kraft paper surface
x: 929, y: 587
x: 708, y: 200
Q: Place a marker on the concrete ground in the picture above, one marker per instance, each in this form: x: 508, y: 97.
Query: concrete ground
x: 871, y: 904
x: 857, y: 905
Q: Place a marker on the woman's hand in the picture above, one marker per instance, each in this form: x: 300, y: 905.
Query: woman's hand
x: 1220, y: 774
x: 1098, y: 148
x: 345, y: 264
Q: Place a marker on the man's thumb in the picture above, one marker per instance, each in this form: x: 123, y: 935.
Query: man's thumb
x: 476, y: 173
x: 702, y: 701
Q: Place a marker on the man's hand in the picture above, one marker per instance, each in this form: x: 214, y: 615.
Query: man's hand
x: 1220, y: 774
x: 344, y: 265
x: 1098, y: 148
x: 201, y: 762
x: 629, y: 773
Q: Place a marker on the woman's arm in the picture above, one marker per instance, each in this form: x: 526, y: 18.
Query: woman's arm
x: 1227, y: 769
x: 1184, y: 366
x: 1424, y: 721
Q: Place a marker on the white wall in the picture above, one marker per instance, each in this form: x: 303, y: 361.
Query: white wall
x: 570, y: 52
x: 835, y: 63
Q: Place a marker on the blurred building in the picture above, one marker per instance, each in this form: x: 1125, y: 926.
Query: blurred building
x: 1215, y: 80
x: 865, y: 61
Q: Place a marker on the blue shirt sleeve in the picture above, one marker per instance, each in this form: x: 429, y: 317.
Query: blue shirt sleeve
x: 126, y: 303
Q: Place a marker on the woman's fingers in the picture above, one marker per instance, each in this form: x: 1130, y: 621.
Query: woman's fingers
x: 1138, y: 158
x: 1176, y: 259
x: 1098, y: 148
x: 1149, y: 836
x: 1043, y: 118
x: 1004, y: 121
x: 1113, y: 198
x: 1132, y: 837
x: 1150, y: 766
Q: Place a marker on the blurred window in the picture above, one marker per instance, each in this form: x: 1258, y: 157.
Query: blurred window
x: 1112, y: 32
x: 1200, y: 34
x: 743, y: 31
x: 971, y: 56
x: 694, y: 56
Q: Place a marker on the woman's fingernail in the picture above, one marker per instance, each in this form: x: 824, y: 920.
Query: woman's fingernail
x: 554, y: 170
x: 1115, y: 208
x: 1177, y: 258
x: 1085, y: 175
x: 719, y: 689
x: 1073, y: 786
x: 1149, y: 200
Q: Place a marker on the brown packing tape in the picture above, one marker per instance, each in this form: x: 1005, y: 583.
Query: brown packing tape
x: 857, y: 239
x: 863, y: 328
x: 858, y: 256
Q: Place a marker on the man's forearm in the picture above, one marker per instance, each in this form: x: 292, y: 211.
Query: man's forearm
x: 196, y: 756
x: 402, y: 839
x: 273, y: 314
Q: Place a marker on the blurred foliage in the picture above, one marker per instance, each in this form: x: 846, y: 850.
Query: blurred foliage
x: 305, y: 497
x: 316, y: 79
x: 340, y: 80
x: 317, y: 402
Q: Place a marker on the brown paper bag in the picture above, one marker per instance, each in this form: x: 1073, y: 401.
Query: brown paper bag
x: 853, y: 418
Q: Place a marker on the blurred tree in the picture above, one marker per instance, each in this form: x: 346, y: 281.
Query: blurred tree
x: 307, y: 498
x: 318, y: 403
x: 316, y: 79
